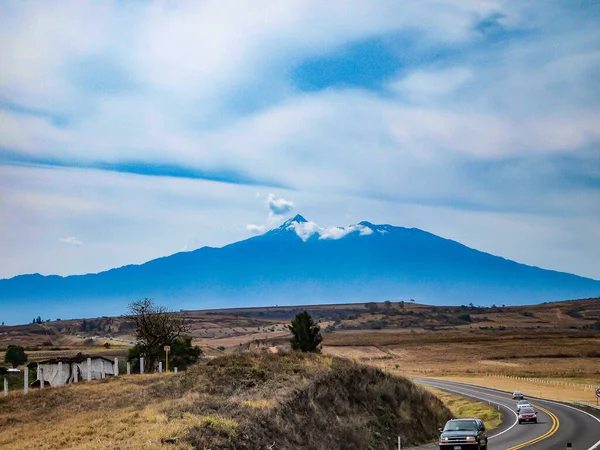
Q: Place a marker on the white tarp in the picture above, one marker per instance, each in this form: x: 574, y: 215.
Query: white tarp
x: 55, y: 377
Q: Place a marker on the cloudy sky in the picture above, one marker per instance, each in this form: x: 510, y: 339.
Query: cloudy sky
x: 131, y: 130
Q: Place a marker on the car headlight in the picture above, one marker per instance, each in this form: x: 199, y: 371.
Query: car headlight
x: 470, y: 438
x: 445, y: 439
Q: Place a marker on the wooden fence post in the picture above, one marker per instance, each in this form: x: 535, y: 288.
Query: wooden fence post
x: 128, y: 368
x: 26, y: 381
x: 142, y: 365
x: 89, y: 369
x: 160, y: 367
x: 41, y: 376
x: 60, y: 374
x: 175, y: 369
x: 76, y: 373
x: 5, y: 387
x: 116, y: 368
x: 101, y: 369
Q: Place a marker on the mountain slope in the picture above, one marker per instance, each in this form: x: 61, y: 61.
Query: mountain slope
x: 299, y: 263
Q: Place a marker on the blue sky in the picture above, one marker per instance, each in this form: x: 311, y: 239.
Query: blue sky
x: 130, y: 130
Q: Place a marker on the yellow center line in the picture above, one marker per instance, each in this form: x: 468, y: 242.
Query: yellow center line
x: 553, y: 429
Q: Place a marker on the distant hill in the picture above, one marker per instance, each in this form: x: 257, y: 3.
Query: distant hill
x: 299, y: 263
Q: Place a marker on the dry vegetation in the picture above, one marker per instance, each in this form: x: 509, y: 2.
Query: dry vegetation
x: 246, y: 401
x: 559, y: 341
x: 465, y: 407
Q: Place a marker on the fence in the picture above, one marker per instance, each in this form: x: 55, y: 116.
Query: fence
x: 542, y: 381
x: 587, y: 404
x: 89, y: 372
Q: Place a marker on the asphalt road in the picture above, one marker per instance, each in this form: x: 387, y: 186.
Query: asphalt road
x: 558, y: 423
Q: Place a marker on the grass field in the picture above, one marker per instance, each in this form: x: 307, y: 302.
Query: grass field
x: 466, y: 407
x: 245, y: 401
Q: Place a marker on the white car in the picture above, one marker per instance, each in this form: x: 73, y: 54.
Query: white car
x: 522, y: 404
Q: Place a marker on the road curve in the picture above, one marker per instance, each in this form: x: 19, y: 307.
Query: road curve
x: 558, y: 423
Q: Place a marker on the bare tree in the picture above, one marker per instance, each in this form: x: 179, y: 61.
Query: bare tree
x: 156, y: 327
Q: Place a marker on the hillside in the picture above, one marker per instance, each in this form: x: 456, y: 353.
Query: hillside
x: 243, y: 401
x: 299, y: 263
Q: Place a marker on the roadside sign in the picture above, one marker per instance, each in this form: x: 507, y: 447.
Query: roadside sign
x: 167, y: 348
x: 598, y: 392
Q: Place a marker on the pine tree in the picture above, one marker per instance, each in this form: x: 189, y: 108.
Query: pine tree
x: 306, y: 333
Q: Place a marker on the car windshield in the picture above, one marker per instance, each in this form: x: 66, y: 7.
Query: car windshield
x: 527, y: 410
x: 523, y: 402
x: 461, y: 425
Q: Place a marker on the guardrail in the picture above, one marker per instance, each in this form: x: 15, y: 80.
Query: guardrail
x: 542, y: 381
x: 587, y: 404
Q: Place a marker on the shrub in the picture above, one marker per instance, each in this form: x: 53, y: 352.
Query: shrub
x: 15, y: 355
x: 306, y: 334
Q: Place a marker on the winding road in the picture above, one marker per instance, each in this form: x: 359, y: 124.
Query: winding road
x: 558, y: 423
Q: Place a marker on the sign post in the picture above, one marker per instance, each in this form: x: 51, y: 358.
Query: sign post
x: 597, y: 395
x: 167, y: 348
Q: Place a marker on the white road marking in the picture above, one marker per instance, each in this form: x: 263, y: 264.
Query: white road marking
x: 485, y: 400
x: 593, y: 447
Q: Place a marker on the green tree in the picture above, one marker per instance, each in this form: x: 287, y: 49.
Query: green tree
x: 306, y: 334
x: 183, y: 353
x: 15, y: 355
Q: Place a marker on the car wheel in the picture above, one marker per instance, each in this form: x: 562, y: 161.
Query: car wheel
x: 520, y: 422
x: 535, y: 421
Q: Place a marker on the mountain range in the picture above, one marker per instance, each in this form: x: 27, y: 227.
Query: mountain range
x: 298, y: 263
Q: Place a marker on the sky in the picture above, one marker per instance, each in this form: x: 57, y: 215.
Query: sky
x: 133, y: 129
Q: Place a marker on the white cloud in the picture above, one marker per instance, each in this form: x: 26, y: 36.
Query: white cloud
x: 72, y: 240
x: 278, y: 207
x: 427, y: 86
x: 255, y: 229
x: 305, y: 230
x: 485, y: 128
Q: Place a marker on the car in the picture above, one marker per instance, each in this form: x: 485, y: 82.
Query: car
x: 463, y: 434
x: 522, y: 403
x: 527, y: 414
x: 518, y: 395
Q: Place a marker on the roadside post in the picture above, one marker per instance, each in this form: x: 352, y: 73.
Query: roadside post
x: 116, y: 368
x: 5, y: 387
x: 167, y: 348
x: 128, y: 368
x: 142, y: 365
x: 25, y: 380
x: 597, y: 395
x: 89, y: 369
x: 60, y: 383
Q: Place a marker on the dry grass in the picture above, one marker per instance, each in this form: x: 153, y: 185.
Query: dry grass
x: 467, y: 407
x: 529, y: 388
x: 558, y: 354
x: 234, y: 402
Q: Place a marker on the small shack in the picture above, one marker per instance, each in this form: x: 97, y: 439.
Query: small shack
x: 61, y: 371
